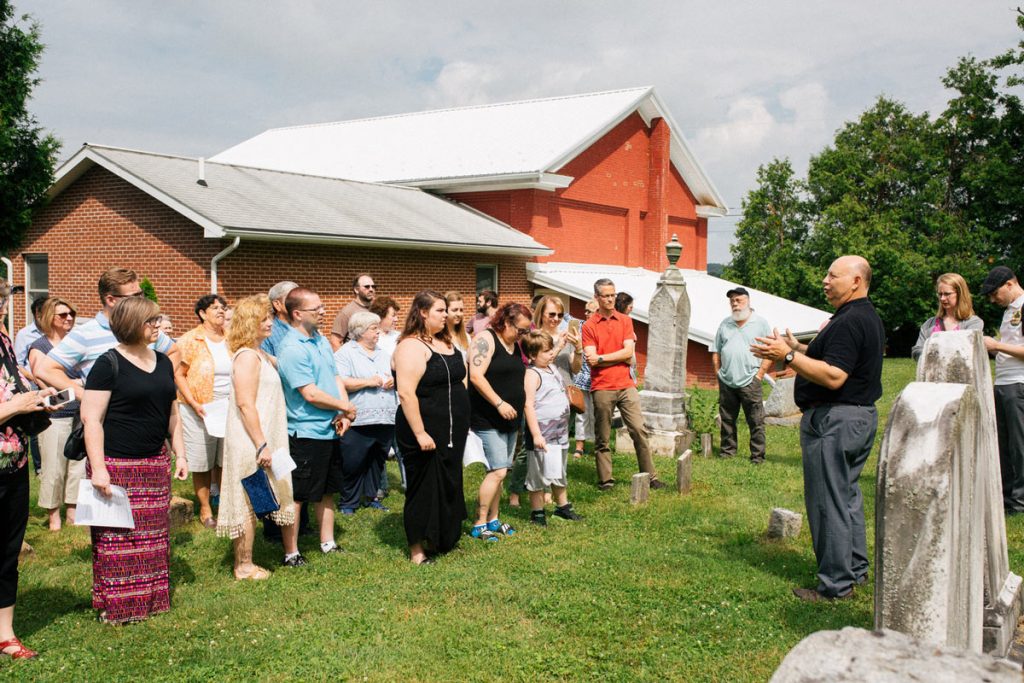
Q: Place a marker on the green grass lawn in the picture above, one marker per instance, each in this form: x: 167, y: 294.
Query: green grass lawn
x: 684, y: 588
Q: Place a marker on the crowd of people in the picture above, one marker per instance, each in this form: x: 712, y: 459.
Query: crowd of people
x: 276, y: 421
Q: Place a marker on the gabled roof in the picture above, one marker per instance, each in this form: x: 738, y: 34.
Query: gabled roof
x: 708, y: 303
x: 261, y: 204
x: 495, y: 146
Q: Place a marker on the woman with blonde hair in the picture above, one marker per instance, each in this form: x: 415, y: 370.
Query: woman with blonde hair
x: 457, y: 321
x: 956, y: 311
x: 257, y: 427
x: 59, y: 477
x: 128, y: 410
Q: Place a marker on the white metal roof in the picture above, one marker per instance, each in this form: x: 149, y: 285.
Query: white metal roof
x: 512, y: 144
x: 273, y: 205
x: 708, y: 303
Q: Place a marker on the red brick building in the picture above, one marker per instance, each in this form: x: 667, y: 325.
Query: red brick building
x: 589, y: 183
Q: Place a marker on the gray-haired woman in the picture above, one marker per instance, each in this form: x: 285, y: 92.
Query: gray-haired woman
x: 366, y: 372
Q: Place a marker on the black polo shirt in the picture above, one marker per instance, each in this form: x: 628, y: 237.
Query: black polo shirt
x: 853, y: 341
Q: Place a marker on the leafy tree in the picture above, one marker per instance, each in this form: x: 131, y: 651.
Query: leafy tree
x: 27, y: 154
x: 148, y: 289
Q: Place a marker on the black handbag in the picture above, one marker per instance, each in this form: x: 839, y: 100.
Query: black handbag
x: 74, y: 447
x: 28, y: 424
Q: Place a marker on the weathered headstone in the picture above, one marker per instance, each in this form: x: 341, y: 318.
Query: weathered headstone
x: 26, y: 552
x: 780, y: 408
x: 929, y: 556
x: 684, y: 472
x: 180, y: 512
x: 783, y: 523
x: 960, y: 357
x: 640, y: 489
x: 705, y: 445
x: 855, y: 655
x: 662, y: 400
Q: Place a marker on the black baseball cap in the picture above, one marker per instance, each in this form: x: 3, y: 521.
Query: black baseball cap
x: 737, y: 291
x: 997, y: 277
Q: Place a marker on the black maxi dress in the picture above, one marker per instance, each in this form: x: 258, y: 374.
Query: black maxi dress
x: 434, y: 503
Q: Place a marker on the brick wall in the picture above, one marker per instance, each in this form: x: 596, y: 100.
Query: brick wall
x: 102, y: 221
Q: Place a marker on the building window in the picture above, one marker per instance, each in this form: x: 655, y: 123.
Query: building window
x: 486, y: 277
x: 37, y: 280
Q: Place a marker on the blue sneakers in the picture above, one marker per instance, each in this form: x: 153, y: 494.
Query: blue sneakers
x: 495, y: 526
x: 483, y: 533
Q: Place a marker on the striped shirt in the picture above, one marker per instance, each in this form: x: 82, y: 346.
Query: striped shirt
x: 83, y: 345
x: 277, y: 334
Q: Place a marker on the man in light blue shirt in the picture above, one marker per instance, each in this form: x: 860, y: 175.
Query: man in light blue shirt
x: 318, y: 413
x: 740, y: 374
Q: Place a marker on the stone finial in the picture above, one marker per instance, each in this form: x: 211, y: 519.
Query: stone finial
x: 674, y: 249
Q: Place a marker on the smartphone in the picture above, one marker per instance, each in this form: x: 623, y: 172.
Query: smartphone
x: 574, y: 326
x: 60, y: 398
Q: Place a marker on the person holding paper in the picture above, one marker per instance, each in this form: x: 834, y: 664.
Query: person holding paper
x: 547, y: 422
x: 203, y: 378
x: 366, y: 371
x: 256, y: 434
x: 128, y: 411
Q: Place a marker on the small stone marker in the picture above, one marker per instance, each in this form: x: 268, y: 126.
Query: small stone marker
x: 640, y: 490
x: 855, y: 655
x: 784, y: 523
x: 705, y: 445
x: 180, y: 512
x: 684, y: 472
x: 26, y: 552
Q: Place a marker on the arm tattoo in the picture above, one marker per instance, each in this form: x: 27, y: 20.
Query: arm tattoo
x: 483, y: 349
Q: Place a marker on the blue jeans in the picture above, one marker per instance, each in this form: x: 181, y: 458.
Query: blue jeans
x: 499, y: 447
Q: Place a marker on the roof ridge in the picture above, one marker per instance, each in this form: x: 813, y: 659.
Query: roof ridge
x: 465, y: 108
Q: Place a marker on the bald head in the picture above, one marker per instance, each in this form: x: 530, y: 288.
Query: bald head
x: 848, y: 278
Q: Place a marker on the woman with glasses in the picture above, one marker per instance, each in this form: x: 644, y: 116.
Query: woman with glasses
x: 956, y: 311
x: 497, y: 396
x: 128, y: 411
x: 584, y: 421
x: 58, y: 477
x: 203, y: 378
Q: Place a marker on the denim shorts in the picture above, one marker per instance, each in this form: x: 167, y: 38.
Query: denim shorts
x: 499, y: 447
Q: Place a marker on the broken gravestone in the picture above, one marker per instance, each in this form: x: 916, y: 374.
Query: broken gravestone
x: 784, y: 523
x: 180, y: 512
x: 780, y: 407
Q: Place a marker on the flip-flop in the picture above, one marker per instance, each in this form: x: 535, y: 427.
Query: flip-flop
x: 257, y: 574
x: 210, y: 523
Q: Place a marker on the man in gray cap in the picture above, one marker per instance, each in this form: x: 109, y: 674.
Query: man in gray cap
x: 740, y: 374
x: 1002, y: 288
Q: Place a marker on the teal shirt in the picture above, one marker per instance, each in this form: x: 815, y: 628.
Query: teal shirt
x: 303, y: 360
x: 732, y: 344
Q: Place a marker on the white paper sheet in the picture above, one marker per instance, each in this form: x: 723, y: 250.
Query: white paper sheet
x: 95, y: 510
x: 216, y: 419
x: 474, y: 451
x: 281, y: 463
x: 553, y: 462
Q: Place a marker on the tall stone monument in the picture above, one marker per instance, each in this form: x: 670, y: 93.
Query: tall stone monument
x: 663, y: 400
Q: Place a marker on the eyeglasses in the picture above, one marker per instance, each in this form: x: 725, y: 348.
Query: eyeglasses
x: 368, y: 286
x: 65, y: 316
x: 521, y: 331
x: 154, y: 321
x: 555, y: 316
x: 318, y: 309
x: 125, y: 296
x: 943, y: 295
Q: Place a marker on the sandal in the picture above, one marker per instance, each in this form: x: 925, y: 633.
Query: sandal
x: 210, y: 523
x: 577, y: 455
x: 21, y: 653
x: 257, y: 574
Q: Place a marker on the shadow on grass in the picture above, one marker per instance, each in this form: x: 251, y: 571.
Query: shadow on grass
x: 390, y: 531
x: 38, y: 607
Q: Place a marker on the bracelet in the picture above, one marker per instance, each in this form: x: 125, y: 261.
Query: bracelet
x: 498, y: 404
x: 260, y: 449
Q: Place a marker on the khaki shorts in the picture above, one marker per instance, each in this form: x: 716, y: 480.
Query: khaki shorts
x: 202, y: 451
x: 535, y: 480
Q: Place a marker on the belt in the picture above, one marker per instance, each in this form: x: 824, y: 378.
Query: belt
x: 823, y: 404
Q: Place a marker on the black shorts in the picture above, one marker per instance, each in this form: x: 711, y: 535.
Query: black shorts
x: 317, y: 470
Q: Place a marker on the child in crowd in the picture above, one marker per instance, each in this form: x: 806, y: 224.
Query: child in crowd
x: 547, y: 424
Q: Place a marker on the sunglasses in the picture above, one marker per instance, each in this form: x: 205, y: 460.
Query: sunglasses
x: 125, y: 296
x: 65, y: 316
x: 521, y: 331
x: 368, y: 286
x: 555, y: 316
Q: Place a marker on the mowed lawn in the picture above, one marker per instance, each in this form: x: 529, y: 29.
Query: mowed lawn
x: 684, y: 588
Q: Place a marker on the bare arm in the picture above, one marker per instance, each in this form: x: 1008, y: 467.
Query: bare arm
x: 531, y: 382
x: 410, y: 361
x: 766, y: 365
x: 623, y: 355
x: 776, y: 347
x: 174, y: 355
x: 34, y: 357
x: 481, y: 351
x: 1014, y: 350
x: 93, y: 410
x: 177, y: 443
x: 52, y: 374
x: 716, y: 362
x: 321, y: 399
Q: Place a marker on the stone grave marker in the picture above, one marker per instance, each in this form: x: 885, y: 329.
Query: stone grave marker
x: 640, y: 488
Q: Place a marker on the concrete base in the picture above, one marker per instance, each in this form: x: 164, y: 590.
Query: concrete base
x: 1001, y: 620
x: 787, y: 421
x: 671, y: 444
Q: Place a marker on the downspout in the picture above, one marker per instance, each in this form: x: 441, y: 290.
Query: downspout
x: 213, y: 263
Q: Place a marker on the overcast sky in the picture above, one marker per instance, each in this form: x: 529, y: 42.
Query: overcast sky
x: 746, y: 81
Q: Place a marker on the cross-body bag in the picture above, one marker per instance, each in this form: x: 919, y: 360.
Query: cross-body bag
x: 29, y: 424
x: 74, y: 447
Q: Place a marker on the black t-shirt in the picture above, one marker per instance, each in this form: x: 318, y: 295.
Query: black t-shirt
x: 139, y: 411
x: 505, y: 373
x: 853, y: 341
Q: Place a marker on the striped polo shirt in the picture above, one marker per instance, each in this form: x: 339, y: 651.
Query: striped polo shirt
x: 90, y: 340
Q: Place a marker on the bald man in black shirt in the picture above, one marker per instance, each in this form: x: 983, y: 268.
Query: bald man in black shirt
x: 839, y: 378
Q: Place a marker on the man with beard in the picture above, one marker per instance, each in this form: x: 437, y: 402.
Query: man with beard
x: 365, y: 291
x: 740, y: 374
x: 486, y: 305
x: 319, y: 412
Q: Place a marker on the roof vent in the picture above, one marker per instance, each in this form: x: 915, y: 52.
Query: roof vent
x: 202, y: 172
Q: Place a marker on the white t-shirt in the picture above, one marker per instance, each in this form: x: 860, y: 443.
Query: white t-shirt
x: 221, y: 368
x: 1010, y: 370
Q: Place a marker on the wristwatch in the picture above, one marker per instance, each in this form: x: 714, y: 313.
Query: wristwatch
x: 599, y: 359
x: 789, y: 357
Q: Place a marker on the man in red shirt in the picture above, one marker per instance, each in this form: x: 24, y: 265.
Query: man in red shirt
x: 608, y: 342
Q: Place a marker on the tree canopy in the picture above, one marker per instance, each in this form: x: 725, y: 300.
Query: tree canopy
x: 27, y: 153
x: 915, y: 195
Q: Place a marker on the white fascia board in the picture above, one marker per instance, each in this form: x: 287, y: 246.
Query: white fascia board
x: 354, y: 241
x: 510, y: 181
x: 708, y: 211
x: 89, y: 155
